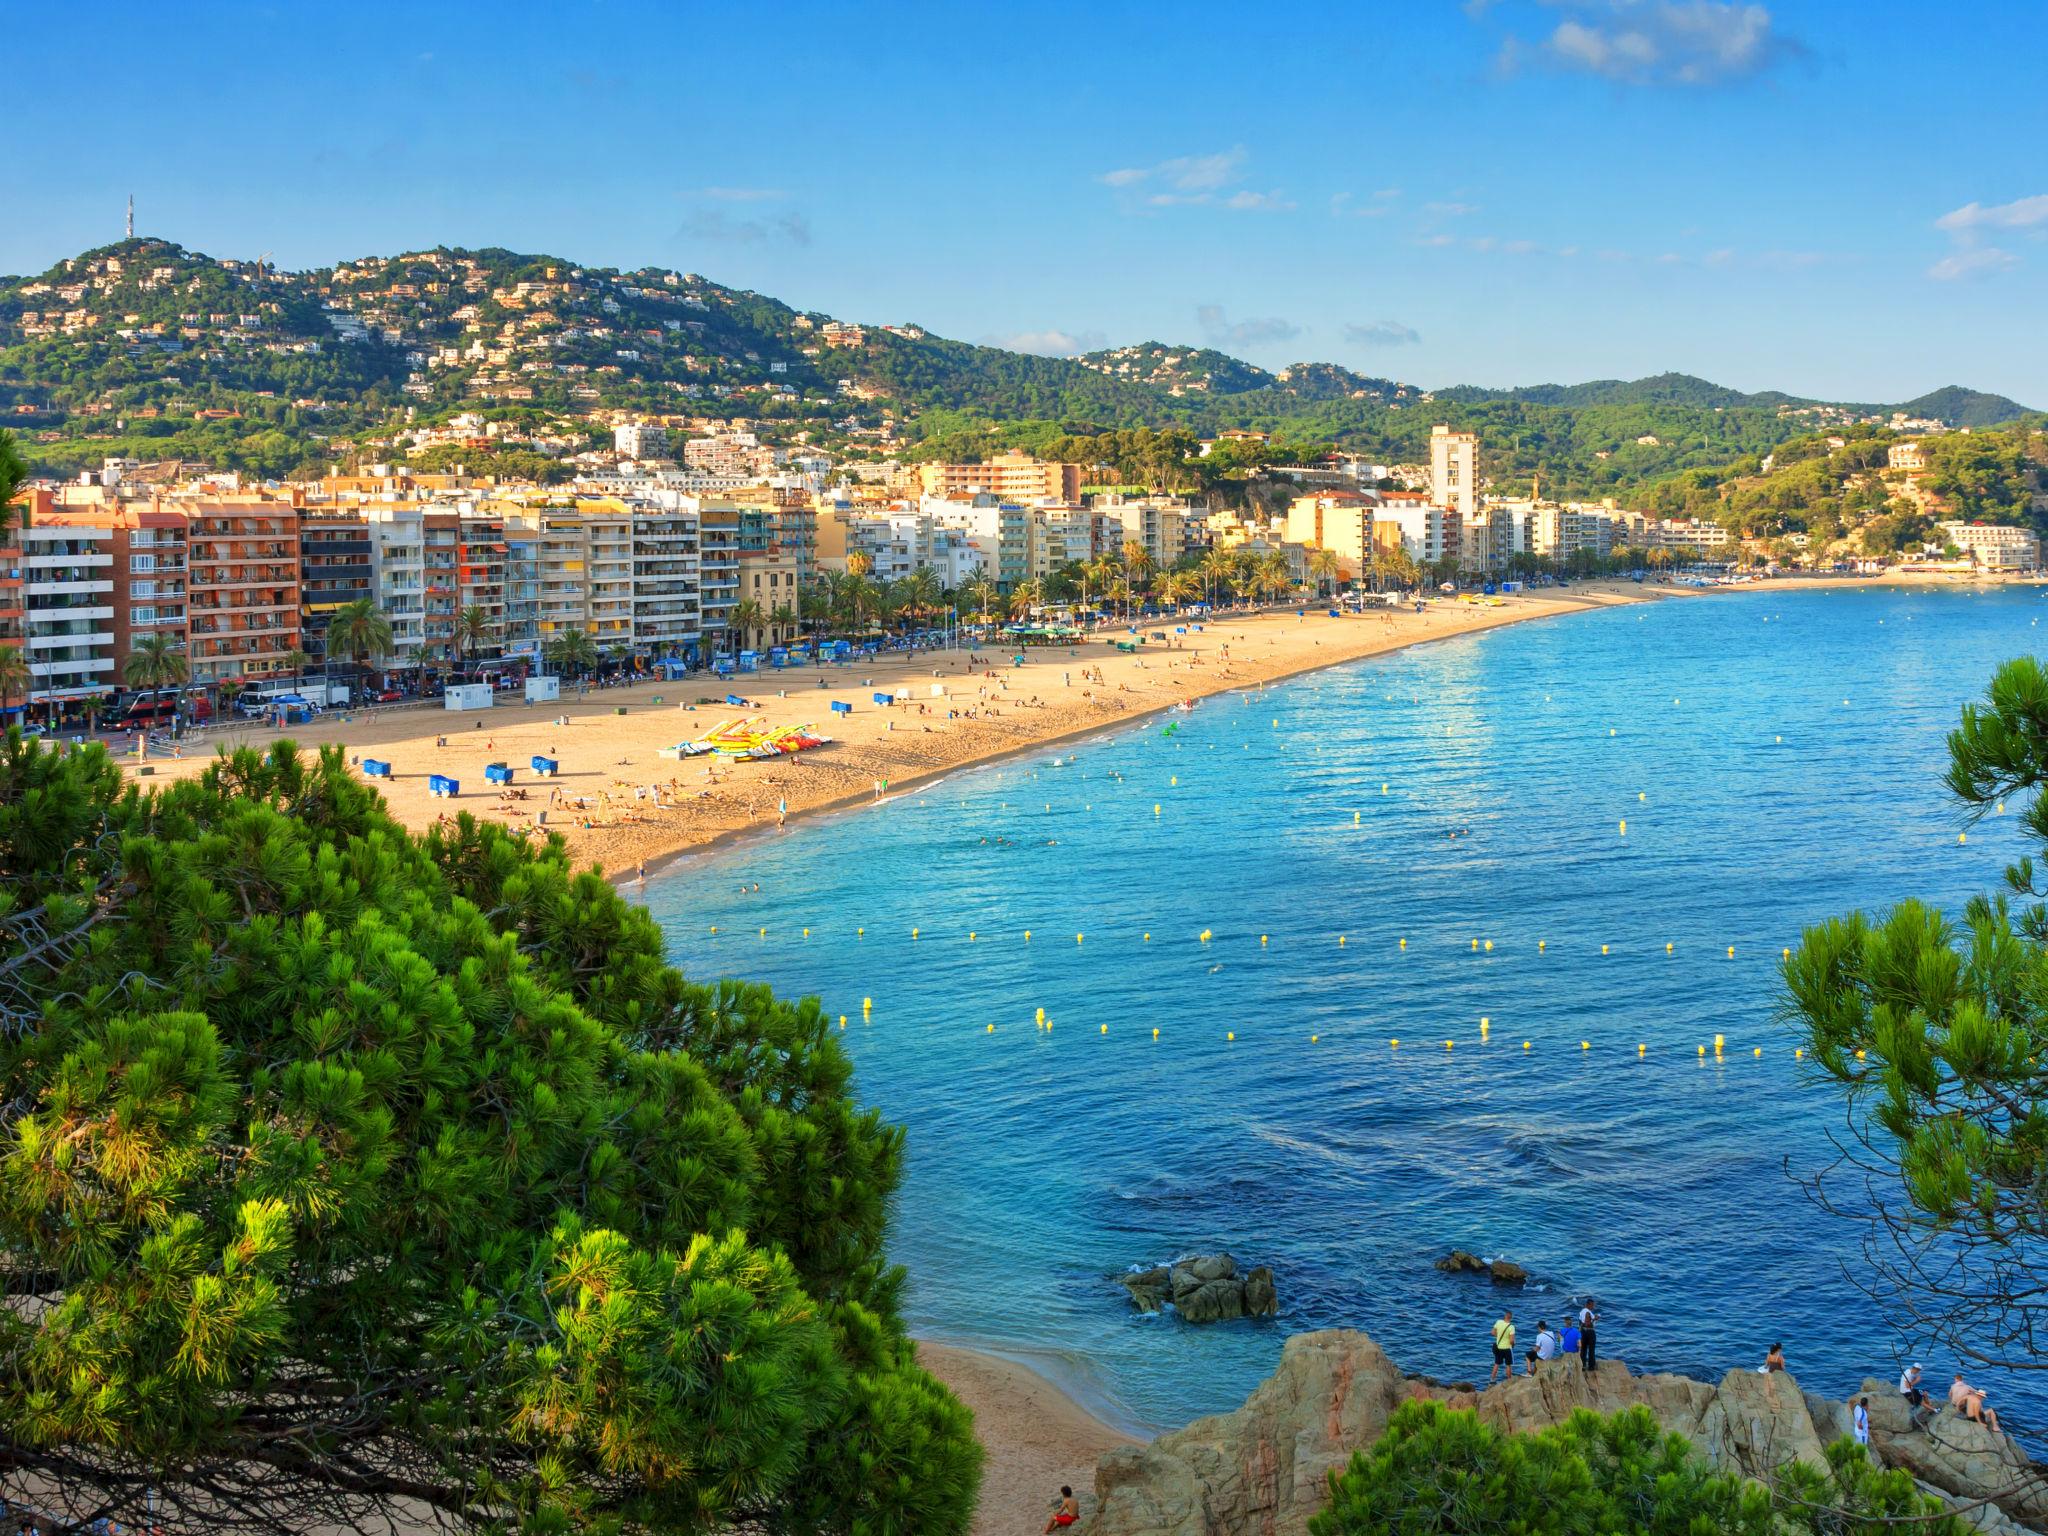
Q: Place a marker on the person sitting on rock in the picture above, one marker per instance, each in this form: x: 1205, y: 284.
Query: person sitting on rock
x: 1773, y: 1361
x: 1971, y: 1401
x: 1568, y: 1341
x: 1914, y: 1394
x: 1065, y: 1513
x: 1546, y: 1342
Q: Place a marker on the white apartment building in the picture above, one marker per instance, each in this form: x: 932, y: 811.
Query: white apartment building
x: 1158, y: 524
x: 1561, y: 533
x: 1454, y: 470
x: 1006, y: 535
x: 398, y: 577
x: 608, y: 543
x: 640, y: 440
x: 1995, y: 546
x: 666, y: 604
x: 68, y: 610
x: 1428, y: 533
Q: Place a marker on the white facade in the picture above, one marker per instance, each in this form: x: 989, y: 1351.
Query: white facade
x: 398, y: 574
x: 68, y: 610
x: 1454, y: 471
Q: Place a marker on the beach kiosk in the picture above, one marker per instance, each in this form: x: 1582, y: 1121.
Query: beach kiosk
x: 543, y: 690
x: 441, y: 787
x: 545, y: 767
x: 462, y: 696
x: 497, y: 773
x: 376, y: 768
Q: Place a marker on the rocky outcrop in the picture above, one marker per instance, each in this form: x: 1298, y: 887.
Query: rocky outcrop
x: 1501, y: 1271
x: 1204, y: 1288
x: 1263, y: 1469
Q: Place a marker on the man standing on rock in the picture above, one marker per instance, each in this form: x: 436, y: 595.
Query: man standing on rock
x: 1503, y: 1346
x: 1588, y: 1321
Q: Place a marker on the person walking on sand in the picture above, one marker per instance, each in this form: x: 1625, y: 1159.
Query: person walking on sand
x: 1065, y: 1513
x: 1503, y: 1346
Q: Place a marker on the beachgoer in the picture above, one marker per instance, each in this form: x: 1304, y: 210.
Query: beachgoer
x: 1065, y: 1513
x: 1546, y: 1342
x: 1588, y: 1321
x: 1773, y: 1361
x: 1971, y: 1401
x: 1914, y: 1394
x: 1503, y: 1345
x: 782, y: 811
x: 1860, y: 1422
x: 1568, y: 1339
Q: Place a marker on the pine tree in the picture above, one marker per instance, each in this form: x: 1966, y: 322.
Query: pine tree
x: 349, y: 1176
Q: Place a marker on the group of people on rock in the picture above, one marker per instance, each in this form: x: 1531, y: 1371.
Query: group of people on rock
x: 1579, y: 1336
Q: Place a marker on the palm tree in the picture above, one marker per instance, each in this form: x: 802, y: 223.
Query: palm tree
x: 1219, y: 569
x: 746, y: 617
x: 982, y: 593
x: 1271, y: 576
x: 1137, y: 566
x: 1175, y: 588
x: 157, y: 662
x: 814, y: 602
x: 360, y: 629
x: 1024, y: 597
x: 1326, y: 567
x: 572, y: 650
x: 921, y: 592
x: 784, y: 620
x: 296, y: 659
x: 859, y: 564
x: 15, y: 677
x: 473, y: 629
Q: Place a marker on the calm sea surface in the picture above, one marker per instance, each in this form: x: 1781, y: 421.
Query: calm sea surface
x: 1775, y: 757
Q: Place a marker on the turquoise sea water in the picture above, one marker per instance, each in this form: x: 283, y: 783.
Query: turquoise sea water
x: 1776, y: 758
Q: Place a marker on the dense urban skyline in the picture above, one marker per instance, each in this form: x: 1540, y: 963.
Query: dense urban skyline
x: 1496, y: 193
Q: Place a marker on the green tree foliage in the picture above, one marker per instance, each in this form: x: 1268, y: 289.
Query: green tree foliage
x: 349, y: 1175
x: 1936, y: 1031
x: 1441, y: 1470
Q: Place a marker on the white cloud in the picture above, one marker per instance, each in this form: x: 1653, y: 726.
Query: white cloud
x: 1978, y: 261
x: 1965, y: 227
x: 1657, y: 42
x: 1259, y: 202
x: 1196, y: 180
x: 1184, y: 173
x: 716, y: 224
x: 1224, y: 332
x: 1382, y: 333
x: 1450, y: 210
x: 1343, y: 207
x: 1051, y: 342
x: 2022, y: 213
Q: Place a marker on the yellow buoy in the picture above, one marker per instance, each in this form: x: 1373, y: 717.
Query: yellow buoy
x: 764, y: 933
x: 1155, y: 809
x: 1798, y: 1053
x: 991, y: 1029
x: 1787, y: 954
x: 1041, y: 1015
x: 1027, y: 935
x: 807, y: 933
x: 1641, y: 1048
x: 1475, y: 943
x: 1859, y: 1054
x: 1231, y: 1034
x: 1205, y: 936
x: 1541, y: 944
x: 1450, y: 1044
x: 1155, y: 1033
x: 842, y: 1021
x: 1603, y: 949
x: 1624, y: 829
x: 1176, y: 779
x: 1383, y: 789
x: 860, y: 933
x: 714, y: 927
x: 867, y: 1005
x: 913, y: 933
x: 1610, y: 730
x: 1758, y: 1051
x: 1962, y: 837
x: 1078, y: 937
x: 970, y: 935
x: 1404, y: 943
x: 1354, y: 818
x: 1585, y: 1045
x: 1525, y: 1045
x: 1340, y: 941
x: 1719, y: 1042
x: 1105, y: 1029
x: 1312, y: 1039
x: 1667, y: 948
x: 1642, y: 797
x: 1731, y: 951
x: 1485, y: 1023
x: 1703, y: 1050
x: 1396, y: 1044
x: 1148, y: 938
x: 1262, y: 940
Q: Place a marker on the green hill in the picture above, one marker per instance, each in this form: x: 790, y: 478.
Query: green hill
x: 144, y: 348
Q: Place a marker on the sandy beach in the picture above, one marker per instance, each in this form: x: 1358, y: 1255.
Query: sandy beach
x: 1036, y: 1436
x: 621, y: 805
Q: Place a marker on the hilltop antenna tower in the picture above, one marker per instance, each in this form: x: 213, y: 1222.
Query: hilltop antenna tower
x: 131, y: 215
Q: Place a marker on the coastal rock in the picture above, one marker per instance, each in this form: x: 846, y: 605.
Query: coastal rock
x: 1148, y: 1287
x: 1262, y: 1470
x: 1507, y: 1272
x: 1459, y: 1262
x: 1204, y: 1288
x: 1260, y: 1298
x: 1958, y: 1457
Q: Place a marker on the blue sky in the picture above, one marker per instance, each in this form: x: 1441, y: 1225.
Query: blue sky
x: 1844, y: 200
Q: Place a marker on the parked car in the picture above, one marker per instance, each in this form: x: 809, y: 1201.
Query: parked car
x: 391, y: 696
